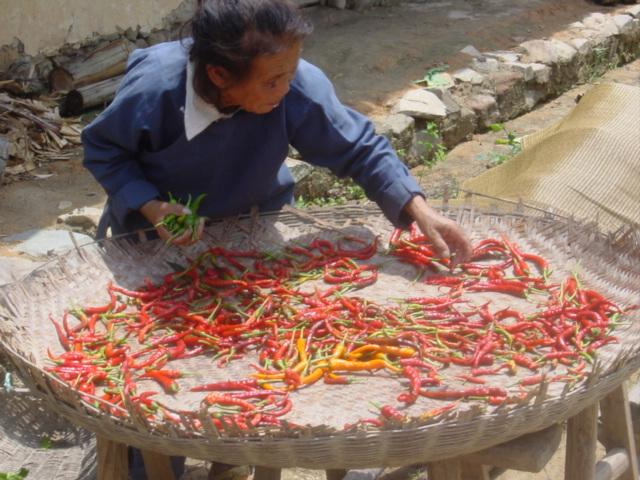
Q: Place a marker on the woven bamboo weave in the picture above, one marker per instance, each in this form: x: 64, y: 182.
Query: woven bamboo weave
x: 608, y: 264
x: 26, y: 425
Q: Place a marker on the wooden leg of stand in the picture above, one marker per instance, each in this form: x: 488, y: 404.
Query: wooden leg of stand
x: 157, y: 466
x: 474, y: 471
x: 582, y: 436
x: 445, y: 470
x: 113, y: 463
x: 264, y: 473
x: 616, y: 423
x: 335, y: 474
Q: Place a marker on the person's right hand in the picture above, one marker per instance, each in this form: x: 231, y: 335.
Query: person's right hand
x: 155, y: 211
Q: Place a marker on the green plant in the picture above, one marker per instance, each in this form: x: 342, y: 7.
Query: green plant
x: 601, y: 63
x: 510, y: 140
x: 432, y: 144
x: 20, y: 475
x: 433, y: 78
x: 347, y: 191
x: 45, y: 442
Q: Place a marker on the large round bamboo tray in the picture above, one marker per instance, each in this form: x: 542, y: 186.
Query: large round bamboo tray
x: 610, y: 265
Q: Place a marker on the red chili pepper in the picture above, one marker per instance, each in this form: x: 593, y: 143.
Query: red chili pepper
x: 387, y: 411
x: 532, y: 380
x: 164, y: 379
x: 227, y: 386
x: 219, y: 399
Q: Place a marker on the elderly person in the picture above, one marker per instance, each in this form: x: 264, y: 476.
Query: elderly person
x: 216, y: 113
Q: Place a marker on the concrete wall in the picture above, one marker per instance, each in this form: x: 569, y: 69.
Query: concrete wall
x: 44, y: 25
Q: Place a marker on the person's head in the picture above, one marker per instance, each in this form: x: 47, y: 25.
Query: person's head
x: 245, y: 52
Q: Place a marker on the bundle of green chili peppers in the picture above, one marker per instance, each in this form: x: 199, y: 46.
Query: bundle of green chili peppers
x: 176, y: 225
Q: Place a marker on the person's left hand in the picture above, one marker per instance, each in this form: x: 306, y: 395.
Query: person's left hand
x: 448, y: 239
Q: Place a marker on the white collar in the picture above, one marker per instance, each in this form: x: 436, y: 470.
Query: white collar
x: 198, y: 114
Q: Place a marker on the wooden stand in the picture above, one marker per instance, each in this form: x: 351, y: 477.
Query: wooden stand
x: 531, y: 452
x: 527, y: 453
x: 113, y: 463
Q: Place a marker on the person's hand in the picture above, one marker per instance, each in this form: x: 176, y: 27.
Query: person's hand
x: 156, y: 210
x: 447, y: 237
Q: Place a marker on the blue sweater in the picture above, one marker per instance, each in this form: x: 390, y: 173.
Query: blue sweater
x: 138, y: 151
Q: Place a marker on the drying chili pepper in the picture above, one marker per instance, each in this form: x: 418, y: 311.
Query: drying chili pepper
x: 387, y: 411
x: 228, y: 304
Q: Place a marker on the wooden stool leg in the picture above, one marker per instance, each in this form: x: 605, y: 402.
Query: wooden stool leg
x: 445, y: 470
x: 157, y: 466
x: 264, y: 473
x: 335, y: 474
x: 113, y: 463
x: 616, y: 423
x: 582, y: 437
x: 474, y: 471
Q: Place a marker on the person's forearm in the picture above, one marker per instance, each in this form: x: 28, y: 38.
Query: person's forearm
x: 418, y: 209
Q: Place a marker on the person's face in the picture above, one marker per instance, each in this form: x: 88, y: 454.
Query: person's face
x: 265, y: 85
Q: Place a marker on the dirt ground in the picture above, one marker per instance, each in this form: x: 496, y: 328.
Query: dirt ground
x: 373, y: 56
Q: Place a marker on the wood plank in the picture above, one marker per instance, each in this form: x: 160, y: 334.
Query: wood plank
x: 112, y: 460
x: 445, y: 470
x: 612, y: 465
x: 94, y: 95
x: 617, y: 427
x: 582, y: 432
x: 528, y: 453
x: 106, y: 62
x: 474, y: 471
x: 265, y: 473
x: 157, y: 466
x: 335, y: 474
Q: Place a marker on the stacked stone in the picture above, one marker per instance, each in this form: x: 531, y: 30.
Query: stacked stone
x: 498, y: 86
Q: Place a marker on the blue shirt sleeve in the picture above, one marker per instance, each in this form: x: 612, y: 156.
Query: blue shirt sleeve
x: 112, y: 140
x: 329, y: 134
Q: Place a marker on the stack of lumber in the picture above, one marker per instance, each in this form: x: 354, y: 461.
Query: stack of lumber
x: 35, y: 133
x: 91, y: 81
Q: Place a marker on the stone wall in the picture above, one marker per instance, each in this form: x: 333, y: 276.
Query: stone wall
x: 499, y: 86
x: 37, y: 34
x: 44, y: 26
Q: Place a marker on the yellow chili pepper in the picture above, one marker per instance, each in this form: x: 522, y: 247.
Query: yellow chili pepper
x: 337, y: 364
x: 402, y: 352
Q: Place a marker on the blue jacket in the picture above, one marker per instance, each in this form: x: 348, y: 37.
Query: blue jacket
x: 138, y: 151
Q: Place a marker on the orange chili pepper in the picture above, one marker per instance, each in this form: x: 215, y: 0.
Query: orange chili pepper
x: 403, y: 352
x: 351, y: 366
x: 313, y: 377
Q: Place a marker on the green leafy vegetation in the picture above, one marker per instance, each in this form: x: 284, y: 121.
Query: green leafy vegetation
x: 602, y: 63
x: 45, y: 442
x: 432, y: 145
x: 347, y: 191
x: 510, y: 139
x: 20, y: 475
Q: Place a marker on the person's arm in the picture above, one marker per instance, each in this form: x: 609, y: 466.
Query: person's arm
x: 328, y: 134
x: 447, y: 237
x: 111, y: 145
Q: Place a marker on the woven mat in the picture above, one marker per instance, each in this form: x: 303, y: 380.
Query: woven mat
x: 586, y: 165
x: 80, y: 277
x: 43, y: 442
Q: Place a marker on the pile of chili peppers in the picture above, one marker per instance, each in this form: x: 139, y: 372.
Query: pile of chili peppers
x: 297, y: 310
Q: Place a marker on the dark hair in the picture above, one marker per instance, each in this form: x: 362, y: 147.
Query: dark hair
x: 231, y: 33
